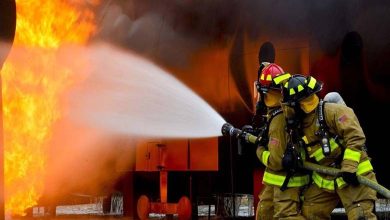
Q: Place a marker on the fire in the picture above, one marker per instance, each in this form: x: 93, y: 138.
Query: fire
x: 32, y: 84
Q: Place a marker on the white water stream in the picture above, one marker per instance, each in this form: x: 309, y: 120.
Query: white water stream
x: 127, y: 94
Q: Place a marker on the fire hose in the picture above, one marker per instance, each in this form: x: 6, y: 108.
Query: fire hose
x: 229, y: 130
x: 336, y: 172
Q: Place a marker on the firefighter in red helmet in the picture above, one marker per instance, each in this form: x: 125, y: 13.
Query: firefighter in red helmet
x: 280, y: 196
x: 332, y: 137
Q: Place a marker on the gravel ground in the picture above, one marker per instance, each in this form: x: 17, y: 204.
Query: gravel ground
x: 95, y: 211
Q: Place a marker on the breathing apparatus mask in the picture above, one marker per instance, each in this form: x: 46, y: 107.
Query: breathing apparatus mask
x: 293, y: 114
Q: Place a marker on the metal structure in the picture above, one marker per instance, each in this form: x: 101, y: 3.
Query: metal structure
x: 163, y: 156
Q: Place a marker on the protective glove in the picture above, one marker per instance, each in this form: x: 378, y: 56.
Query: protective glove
x: 350, y: 178
x: 248, y: 128
x: 242, y: 142
x: 245, y: 130
x: 291, y: 159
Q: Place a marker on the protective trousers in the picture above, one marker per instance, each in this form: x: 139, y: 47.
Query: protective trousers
x: 277, y: 204
x: 265, y: 207
x: 358, y: 201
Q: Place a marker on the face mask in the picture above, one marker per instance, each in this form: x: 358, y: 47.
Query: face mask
x: 288, y: 111
x: 272, y: 98
x: 293, y: 115
x: 309, y: 104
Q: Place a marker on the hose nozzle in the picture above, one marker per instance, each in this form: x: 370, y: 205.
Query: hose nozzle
x: 229, y: 130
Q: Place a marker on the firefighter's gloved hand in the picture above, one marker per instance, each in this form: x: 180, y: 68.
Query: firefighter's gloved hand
x: 247, y: 128
x: 350, y: 178
x: 290, y: 159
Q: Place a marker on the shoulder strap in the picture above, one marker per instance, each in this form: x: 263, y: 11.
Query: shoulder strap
x: 264, y: 133
x: 321, y: 115
x: 323, y: 131
x: 274, y: 113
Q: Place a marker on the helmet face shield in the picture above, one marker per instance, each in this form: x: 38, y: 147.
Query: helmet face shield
x: 309, y: 104
x: 272, y: 98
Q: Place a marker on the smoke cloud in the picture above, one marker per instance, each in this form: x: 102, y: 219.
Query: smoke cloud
x: 149, y: 25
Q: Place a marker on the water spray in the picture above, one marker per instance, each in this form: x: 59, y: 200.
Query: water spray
x: 136, y: 98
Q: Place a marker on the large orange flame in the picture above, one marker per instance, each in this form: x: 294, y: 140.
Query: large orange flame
x: 32, y: 85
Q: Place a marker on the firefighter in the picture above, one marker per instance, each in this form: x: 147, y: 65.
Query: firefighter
x: 276, y: 202
x: 333, y: 137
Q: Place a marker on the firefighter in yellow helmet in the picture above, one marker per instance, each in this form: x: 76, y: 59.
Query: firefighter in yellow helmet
x: 280, y: 197
x: 333, y: 137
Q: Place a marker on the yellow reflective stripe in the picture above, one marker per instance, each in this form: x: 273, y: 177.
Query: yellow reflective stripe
x: 269, y: 78
x: 333, y: 144
x: 262, y: 77
x: 312, y: 83
x: 300, y: 88
x: 292, y: 92
x: 297, y: 181
x: 273, y: 179
x: 340, y: 182
x: 327, y: 184
x: 304, y: 138
x: 351, y: 155
x: 278, y: 79
x: 264, y: 157
x: 278, y: 180
x: 321, y: 182
x: 364, y: 167
x: 286, y: 85
x: 319, y: 155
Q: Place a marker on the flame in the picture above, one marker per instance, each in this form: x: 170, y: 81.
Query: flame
x: 32, y: 84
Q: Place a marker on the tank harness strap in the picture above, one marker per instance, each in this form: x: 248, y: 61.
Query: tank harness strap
x: 290, y: 173
x: 323, y: 131
x: 274, y: 113
x: 263, y: 135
